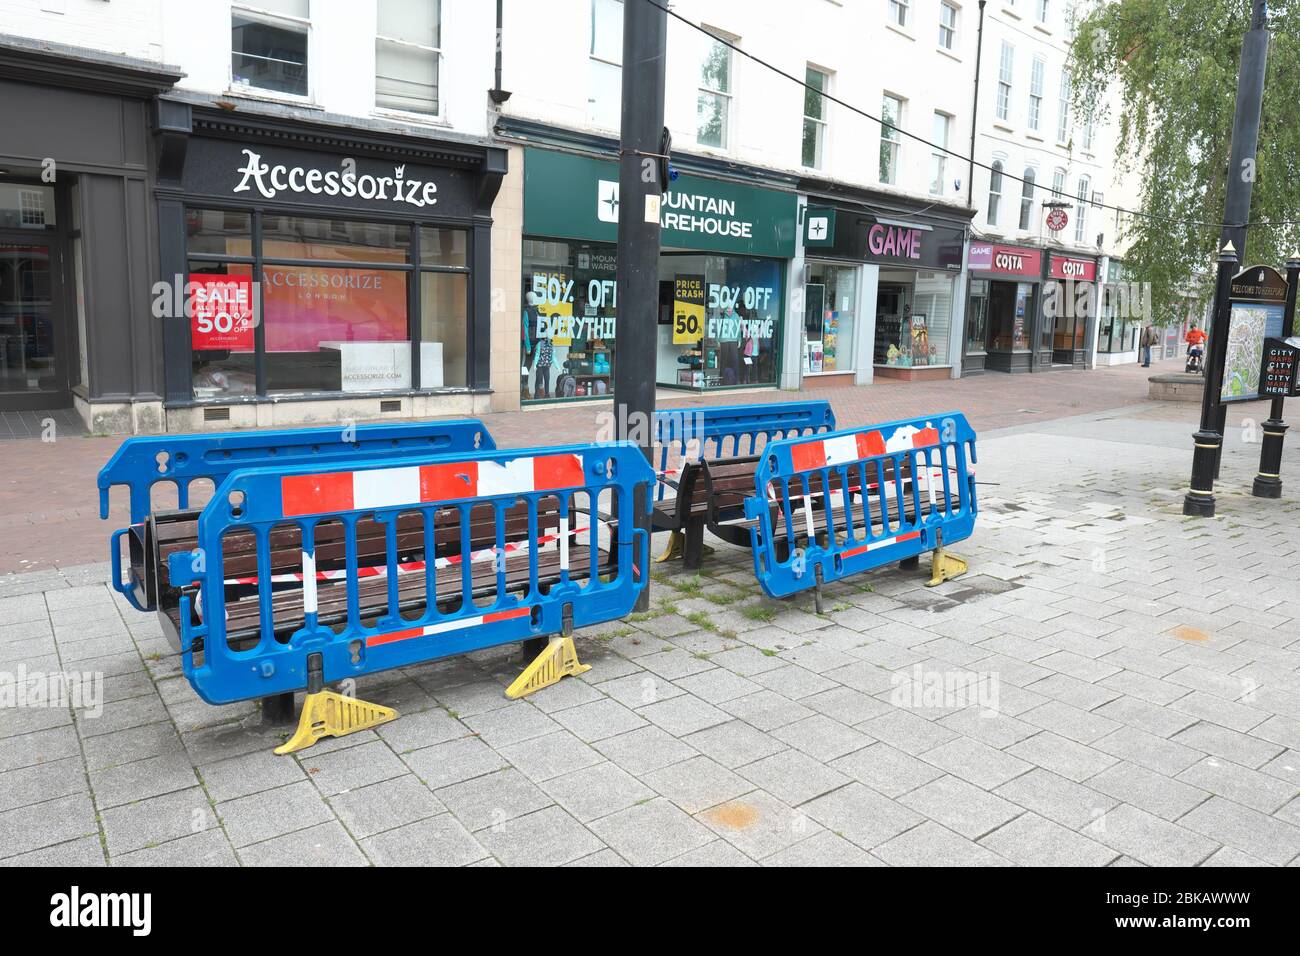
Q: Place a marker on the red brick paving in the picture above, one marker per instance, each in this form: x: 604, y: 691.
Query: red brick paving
x: 49, y: 511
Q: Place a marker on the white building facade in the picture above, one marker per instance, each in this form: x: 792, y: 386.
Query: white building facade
x: 427, y: 218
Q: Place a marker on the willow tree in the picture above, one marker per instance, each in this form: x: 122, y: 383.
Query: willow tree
x: 1174, y: 66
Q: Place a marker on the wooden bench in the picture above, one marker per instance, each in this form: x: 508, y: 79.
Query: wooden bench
x: 168, y: 533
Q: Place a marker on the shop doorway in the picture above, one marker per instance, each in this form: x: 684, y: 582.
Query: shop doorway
x: 33, y: 366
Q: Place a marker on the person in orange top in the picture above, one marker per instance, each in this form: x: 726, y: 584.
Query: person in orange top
x: 1195, y: 336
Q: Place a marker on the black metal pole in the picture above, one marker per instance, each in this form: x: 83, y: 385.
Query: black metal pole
x: 975, y: 105
x: 640, y: 189
x: 1268, y: 483
x: 1199, y: 500
x: 1236, y: 213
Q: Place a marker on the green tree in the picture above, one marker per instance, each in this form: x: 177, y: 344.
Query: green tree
x: 1174, y: 65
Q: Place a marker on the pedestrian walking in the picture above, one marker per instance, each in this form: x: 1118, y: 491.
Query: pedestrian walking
x: 1149, y: 338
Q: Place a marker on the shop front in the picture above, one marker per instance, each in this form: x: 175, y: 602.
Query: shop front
x: 328, y: 274
x: 1002, y: 326
x: 908, y: 271
x: 1118, y: 326
x: 77, y: 242
x: 722, y: 279
x: 1070, y: 307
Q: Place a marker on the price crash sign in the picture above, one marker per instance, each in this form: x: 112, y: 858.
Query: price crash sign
x: 222, y: 313
x: 688, y: 309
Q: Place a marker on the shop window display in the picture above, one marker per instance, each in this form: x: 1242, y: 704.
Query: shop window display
x: 569, y: 323
x: 719, y: 321
x: 335, y: 305
x: 830, y: 310
x: 913, y: 318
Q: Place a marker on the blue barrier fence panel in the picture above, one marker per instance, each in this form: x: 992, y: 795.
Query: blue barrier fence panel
x: 853, y: 500
x: 481, y: 599
x: 731, y: 431
x: 142, y: 462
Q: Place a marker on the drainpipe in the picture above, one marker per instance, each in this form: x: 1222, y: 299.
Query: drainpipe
x: 497, y: 94
x: 975, y: 106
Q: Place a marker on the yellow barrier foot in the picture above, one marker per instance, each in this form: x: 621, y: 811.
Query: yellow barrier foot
x: 944, y: 566
x: 327, y: 714
x: 559, y: 659
x: 674, y: 549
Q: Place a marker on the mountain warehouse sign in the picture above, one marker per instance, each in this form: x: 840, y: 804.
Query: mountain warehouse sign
x: 577, y: 197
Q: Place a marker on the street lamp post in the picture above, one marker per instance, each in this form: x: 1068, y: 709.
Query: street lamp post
x: 1208, y: 440
x: 640, y: 187
x: 1236, y: 214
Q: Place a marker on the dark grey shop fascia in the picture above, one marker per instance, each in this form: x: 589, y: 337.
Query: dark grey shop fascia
x: 209, y: 156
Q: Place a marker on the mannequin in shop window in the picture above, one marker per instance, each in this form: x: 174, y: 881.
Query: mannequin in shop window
x: 541, y: 356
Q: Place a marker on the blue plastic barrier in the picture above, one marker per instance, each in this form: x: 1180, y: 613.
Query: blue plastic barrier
x: 729, y: 431
x: 909, y: 488
x: 264, y: 499
x: 180, y: 460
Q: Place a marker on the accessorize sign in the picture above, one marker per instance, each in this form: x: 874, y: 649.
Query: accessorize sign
x: 1070, y: 267
x: 1008, y: 260
x: 256, y: 172
x: 222, y: 311
x: 577, y: 197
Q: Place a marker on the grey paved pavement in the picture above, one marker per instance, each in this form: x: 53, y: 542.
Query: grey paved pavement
x: 1112, y: 684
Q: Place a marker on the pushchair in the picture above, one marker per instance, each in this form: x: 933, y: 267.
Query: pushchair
x: 1195, y: 358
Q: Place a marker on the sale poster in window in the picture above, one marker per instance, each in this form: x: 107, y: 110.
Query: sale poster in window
x: 305, y: 306
x: 688, y: 309
x: 221, y: 310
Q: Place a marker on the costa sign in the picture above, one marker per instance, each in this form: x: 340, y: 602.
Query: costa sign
x: 1068, y: 267
x: 1057, y: 220
x: 1010, y: 260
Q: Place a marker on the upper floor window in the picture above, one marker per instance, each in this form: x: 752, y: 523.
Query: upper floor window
x: 1058, y: 184
x: 938, y: 158
x: 1088, y: 130
x: 898, y: 12
x: 1044, y: 10
x: 814, y: 117
x: 713, y: 98
x: 995, y: 191
x: 268, y: 46
x: 605, y: 66
x: 947, y: 25
x: 408, y: 55
x: 1027, y: 198
x: 891, y: 117
x: 1081, y: 210
x: 1036, y: 92
x: 1006, y: 66
x: 1063, y: 108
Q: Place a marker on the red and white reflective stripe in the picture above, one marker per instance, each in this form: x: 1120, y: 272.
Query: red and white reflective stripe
x: 420, y: 484
x: 836, y: 450
x: 882, y: 543
x: 376, y: 639
x: 309, y: 572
